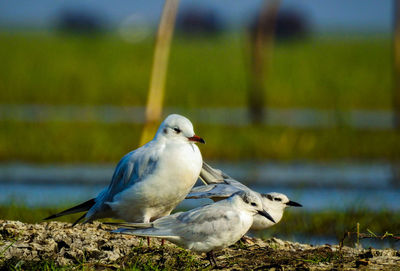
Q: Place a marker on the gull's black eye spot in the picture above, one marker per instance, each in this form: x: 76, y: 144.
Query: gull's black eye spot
x: 177, y: 130
x: 253, y: 204
x: 278, y: 199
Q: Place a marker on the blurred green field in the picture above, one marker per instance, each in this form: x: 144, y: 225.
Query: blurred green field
x: 326, y: 73
x: 92, y: 142
x: 315, y: 73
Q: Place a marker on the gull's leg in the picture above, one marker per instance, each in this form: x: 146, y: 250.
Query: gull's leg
x: 162, y: 242
x: 148, y: 241
x: 214, y: 260
x: 210, y: 257
x: 146, y: 219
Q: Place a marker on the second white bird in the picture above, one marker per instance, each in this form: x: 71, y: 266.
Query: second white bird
x: 206, y: 228
x: 220, y: 186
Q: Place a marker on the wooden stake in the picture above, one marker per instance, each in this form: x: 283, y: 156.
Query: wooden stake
x: 159, y: 70
x: 262, y: 40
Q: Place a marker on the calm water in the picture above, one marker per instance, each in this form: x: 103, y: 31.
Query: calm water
x: 317, y: 186
x: 312, y: 198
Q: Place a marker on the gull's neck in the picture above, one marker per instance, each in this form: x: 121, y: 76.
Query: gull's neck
x: 276, y: 213
x: 238, y: 203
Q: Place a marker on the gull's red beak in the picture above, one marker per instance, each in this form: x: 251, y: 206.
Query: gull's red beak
x: 196, y: 138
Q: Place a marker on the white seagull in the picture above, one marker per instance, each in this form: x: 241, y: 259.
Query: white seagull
x: 220, y: 186
x: 149, y: 182
x: 207, y: 228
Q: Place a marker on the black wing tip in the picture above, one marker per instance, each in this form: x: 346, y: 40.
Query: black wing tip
x: 85, y: 206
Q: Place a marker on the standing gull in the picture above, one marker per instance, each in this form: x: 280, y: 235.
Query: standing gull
x: 206, y: 228
x: 220, y: 186
x: 149, y: 182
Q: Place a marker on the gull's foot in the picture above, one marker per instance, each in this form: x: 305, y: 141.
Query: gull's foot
x: 247, y: 240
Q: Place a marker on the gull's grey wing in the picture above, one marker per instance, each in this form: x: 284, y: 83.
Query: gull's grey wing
x: 131, y: 169
x: 211, y: 191
x: 211, y: 175
x: 220, y: 185
x: 205, y: 221
x: 237, y: 184
x: 193, y: 225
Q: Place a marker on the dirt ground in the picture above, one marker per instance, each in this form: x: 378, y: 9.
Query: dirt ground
x: 92, y: 246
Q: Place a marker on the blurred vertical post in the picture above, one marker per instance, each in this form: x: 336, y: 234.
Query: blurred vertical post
x: 159, y: 70
x: 396, y: 64
x: 261, y: 39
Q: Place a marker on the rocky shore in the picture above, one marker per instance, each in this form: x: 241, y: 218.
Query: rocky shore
x: 92, y: 246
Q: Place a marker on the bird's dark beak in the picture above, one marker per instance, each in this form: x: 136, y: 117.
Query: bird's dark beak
x: 294, y: 204
x: 265, y: 214
x: 196, y: 138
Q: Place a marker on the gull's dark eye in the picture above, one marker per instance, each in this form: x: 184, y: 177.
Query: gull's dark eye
x: 177, y: 130
x: 253, y: 204
x: 278, y: 199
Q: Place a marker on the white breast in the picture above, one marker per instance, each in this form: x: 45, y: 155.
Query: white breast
x: 159, y: 193
x: 261, y: 223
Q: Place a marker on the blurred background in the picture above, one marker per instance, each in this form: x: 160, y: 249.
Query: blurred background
x: 298, y: 97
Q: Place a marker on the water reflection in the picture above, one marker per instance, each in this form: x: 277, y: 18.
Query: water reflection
x: 313, y: 199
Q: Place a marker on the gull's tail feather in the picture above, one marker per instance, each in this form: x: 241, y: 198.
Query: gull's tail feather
x: 211, y: 175
x: 83, y: 207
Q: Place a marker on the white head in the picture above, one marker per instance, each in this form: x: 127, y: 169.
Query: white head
x: 251, y: 202
x: 278, y: 201
x: 179, y: 128
x: 274, y: 204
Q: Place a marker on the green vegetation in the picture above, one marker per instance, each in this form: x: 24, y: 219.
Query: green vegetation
x: 93, y: 142
x: 316, y: 73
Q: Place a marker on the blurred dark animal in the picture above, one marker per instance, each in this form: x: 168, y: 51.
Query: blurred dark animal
x: 198, y: 21
x: 80, y: 22
x: 290, y: 24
